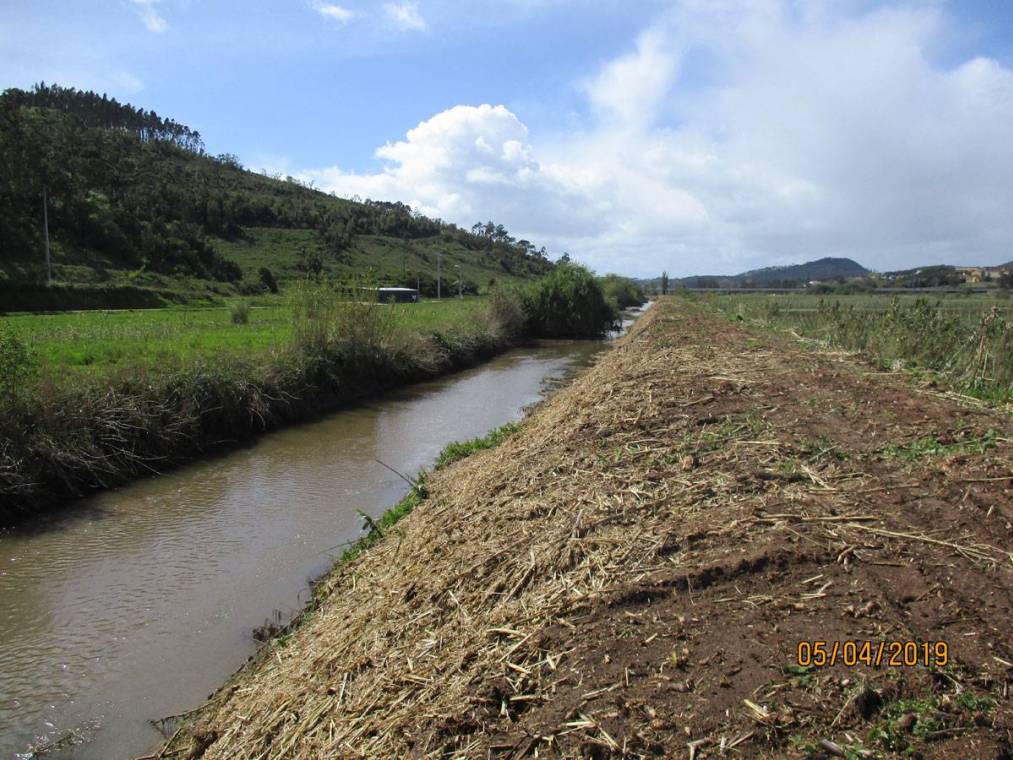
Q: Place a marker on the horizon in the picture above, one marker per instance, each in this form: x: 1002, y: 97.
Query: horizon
x: 697, y: 138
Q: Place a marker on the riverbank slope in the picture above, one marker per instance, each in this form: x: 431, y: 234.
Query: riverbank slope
x: 632, y: 573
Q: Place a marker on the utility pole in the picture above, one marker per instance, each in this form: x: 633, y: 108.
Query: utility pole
x: 439, y: 270
x: 45, y: 231
x: 459, y: 281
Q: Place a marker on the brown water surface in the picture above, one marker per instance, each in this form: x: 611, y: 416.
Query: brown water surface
x: 139, y: 602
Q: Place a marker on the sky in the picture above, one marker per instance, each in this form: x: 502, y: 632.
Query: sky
x: 692, y: 136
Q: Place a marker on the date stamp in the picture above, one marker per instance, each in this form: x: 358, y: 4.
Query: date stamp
x: 876, y: 654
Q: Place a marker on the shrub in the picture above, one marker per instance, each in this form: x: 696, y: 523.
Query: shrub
x: 267, y: 278
x: 250, y: 287
x: 568, y: 303
x: 504, y: 313
x: 240, y: 312
x: 622, y: 291
x: 17, y: 363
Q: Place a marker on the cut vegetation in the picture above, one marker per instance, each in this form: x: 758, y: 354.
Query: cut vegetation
x: 631, y: 573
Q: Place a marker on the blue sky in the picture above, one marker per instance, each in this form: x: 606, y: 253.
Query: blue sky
x: 687, y: 135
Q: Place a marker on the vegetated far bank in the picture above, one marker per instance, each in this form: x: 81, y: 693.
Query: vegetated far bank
x: 630, y: 574
x: 64, y: 436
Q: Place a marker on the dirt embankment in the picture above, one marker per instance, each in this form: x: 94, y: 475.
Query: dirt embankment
x: 632, y: 572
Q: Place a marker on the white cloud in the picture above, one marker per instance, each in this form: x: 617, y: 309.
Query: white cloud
x: 405, y: 15
x: 152, y: 19
x: 630, y: 88
x: 333, y: 12
x: 811, y: 133
x: 462, y: 164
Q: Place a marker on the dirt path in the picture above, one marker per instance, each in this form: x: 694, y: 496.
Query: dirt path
x: 633, y: 571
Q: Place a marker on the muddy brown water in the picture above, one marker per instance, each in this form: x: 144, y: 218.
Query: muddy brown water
x: 138, y: 603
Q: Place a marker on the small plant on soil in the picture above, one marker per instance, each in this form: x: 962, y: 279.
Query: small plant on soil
x: 931, y: 446
x: 908, y: 721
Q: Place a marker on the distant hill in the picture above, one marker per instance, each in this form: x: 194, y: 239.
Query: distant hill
x: 820, y: 269
x: 792, y: 275
x: 135, y: 202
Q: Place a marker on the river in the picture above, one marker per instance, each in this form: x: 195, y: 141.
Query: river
x: 137, y: 603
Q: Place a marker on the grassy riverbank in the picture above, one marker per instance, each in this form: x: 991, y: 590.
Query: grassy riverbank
x: 630, y: 573
x: 92, y: 400
x: 65, y: 438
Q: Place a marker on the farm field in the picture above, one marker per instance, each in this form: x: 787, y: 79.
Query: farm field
x: 963, y: 342
x: 96, y: 341
x: 968, y: 308
x: 715, y: 542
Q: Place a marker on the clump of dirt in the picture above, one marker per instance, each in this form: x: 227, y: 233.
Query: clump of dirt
x: 632, y: 572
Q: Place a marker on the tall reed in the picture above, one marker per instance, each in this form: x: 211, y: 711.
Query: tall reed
x: 976, y: 356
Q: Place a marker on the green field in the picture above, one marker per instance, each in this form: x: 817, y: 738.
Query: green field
x: 965, y: 342
x: 968, y: 308
x: 96, y: 341
x: 380, y: 258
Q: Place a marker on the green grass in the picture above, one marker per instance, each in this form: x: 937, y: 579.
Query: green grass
x: 272, y: 247
x: 97, y: 341
x: 386, y: 260
x: 462, y: 449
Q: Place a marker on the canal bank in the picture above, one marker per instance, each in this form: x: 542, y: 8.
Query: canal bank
x: 63, y: 436
x: 141, y: 600
x: 630, y: 574
x: 62, y: 440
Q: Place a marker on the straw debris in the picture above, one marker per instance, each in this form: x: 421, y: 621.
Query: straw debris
x: 629, y: 575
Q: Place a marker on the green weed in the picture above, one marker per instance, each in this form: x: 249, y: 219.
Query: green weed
x: 930, y: 446
x: 906, y: 721
x: 459, y: 450
x: 18, y: 363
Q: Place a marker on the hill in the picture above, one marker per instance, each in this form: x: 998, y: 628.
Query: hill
x: 134, y: 203
x: 820, y: 269
x: 793, y: 275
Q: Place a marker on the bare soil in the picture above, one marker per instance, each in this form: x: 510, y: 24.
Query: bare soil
x: 631, y: 573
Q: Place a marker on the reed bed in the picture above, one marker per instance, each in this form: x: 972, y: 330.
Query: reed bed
x: 967, y: 341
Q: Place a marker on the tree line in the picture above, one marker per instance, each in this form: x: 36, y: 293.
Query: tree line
x: 104, y: 112
x: 137, y: 190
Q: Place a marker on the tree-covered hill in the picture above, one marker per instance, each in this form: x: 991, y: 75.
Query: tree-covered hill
x: 133, y: 200
x: 790, y: 276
